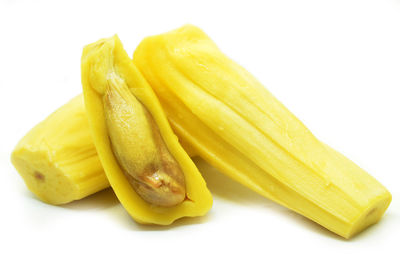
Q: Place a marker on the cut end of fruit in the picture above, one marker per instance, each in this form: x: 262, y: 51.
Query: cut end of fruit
x: 43, y: 178
x: 371, y: 215
x: 39, y: 176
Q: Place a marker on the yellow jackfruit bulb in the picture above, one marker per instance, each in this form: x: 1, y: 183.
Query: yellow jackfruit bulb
x: 239, y: 127
x: 57, y: 158
x: 149, y: 171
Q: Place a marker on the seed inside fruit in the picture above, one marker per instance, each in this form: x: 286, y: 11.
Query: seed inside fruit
x: 138, y: 147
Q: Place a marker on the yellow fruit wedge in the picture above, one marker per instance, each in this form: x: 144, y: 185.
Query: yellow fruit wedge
x: 57, y: 158
x: 235, y: 124
x: 149, y: 171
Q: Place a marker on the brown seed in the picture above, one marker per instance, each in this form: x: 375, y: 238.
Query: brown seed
x: 139, y: 148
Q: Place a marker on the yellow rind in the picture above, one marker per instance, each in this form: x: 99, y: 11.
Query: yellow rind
x: 110, y: 52
x: 235, y: 124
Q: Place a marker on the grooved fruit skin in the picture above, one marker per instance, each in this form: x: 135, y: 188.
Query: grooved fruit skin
x: 238, y: 126
x: 98, y: 59
x: 57, y: 158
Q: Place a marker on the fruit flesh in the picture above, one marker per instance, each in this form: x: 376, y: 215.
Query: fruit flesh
x: 57, y: 158
x: 235, y: 124
x: 101, y: 61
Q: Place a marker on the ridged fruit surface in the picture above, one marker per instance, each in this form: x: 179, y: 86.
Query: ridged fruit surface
x: 151, y: 174
x: 233, y: 122
x: 57, y: 158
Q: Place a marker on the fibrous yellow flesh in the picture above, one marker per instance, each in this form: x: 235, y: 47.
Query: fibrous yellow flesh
x: 139, y: 148
x: 57, y: 158
x: 235, y: 124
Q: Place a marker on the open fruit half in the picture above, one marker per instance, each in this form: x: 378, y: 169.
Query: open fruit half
x: 151, y: 174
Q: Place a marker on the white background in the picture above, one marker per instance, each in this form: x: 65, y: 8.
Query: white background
x: 335, y: 64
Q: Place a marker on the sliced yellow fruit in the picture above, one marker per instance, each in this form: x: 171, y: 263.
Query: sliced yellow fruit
x: 57, y: 158
x: 238, y: 126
